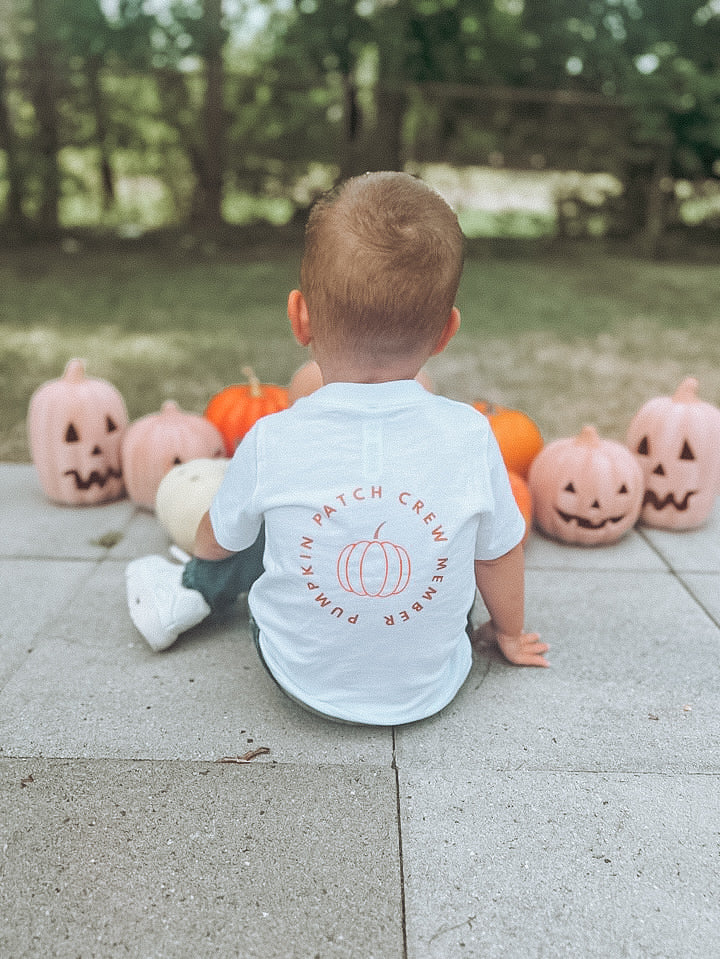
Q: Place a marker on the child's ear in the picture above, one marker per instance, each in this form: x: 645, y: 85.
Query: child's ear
x: 299, y: 317
x: 451, y: 328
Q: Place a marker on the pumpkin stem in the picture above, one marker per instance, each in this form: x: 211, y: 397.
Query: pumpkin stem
x: 253, y: 382
x: 75, y: 371
x: 687, y: 391
x: 588, y: 436
x: 376, y: 534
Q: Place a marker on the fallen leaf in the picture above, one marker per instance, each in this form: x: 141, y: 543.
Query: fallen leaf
x: 107, y: 540
x: 246, y: 758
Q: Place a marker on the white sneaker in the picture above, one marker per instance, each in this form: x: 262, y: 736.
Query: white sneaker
x: 160, y: 606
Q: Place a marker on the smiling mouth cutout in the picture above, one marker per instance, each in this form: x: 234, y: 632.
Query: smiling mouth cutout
x: 654, y: 500
x: 94, y: 479
x: 587, y: 523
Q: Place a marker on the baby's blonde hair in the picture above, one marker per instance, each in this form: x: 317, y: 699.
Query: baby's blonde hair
x: 382, y: 264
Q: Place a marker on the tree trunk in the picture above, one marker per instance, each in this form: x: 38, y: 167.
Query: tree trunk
x: 390, y: 99
x: 98, y: 107
x: 391, y: 104
x: 352, y: 157
x: 15, y: 218
x: 44, y: 88
x: 207, y: 200
x: 657, y: 206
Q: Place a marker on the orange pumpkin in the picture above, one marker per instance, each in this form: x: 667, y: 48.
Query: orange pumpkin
x: 155, y: 443
x: 585, y: 489
x: 523, y: 497
x: 518, y: 436
x: 676, y: 441
x: 237, y: 408
x: 75, y: 427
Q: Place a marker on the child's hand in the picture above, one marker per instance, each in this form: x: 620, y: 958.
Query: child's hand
x: 523, y: 650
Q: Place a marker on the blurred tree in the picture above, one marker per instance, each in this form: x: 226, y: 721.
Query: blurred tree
x: 14, y: 215
x: 84, y: 36
x: 195, y: 30
x: 321, y: 45
x: 46, y: 84
x: 662, y: 57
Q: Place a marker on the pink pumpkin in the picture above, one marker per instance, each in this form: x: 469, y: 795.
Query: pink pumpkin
x: 75, y: 427
x: 585, y: 490
x: 676, y: 441
x: 155, y: 443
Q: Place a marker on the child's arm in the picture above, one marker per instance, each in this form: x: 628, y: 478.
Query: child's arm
x: 501, y: 583
x: 206, y: 546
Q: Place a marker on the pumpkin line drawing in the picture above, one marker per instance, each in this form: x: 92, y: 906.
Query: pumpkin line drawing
x: 374, y: 568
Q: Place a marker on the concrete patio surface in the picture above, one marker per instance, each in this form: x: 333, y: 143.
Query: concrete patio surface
x: 569, y: 812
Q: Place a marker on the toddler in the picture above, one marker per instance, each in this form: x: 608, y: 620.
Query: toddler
x: 362, y: 519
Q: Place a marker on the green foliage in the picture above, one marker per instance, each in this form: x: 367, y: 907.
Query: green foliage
x: 166, y: 100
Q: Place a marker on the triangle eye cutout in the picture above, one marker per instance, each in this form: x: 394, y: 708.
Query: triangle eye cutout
x: 71, y: 435
x: 110, y: 424
x: 623, y: 489
x: 687, y: 453
x: 644, y: 447
x: 569, y: 488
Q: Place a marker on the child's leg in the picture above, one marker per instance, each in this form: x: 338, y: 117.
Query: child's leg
x: 220, y: 582
x: 166, y: 599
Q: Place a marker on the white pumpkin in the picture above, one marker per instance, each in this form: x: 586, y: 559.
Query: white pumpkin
x: 184, y: 495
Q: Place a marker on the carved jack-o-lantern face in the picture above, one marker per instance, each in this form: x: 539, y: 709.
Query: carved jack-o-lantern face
x: 586, y: 490
x: 96, y: 451
x: 676, y: 441
x: 75, y: 429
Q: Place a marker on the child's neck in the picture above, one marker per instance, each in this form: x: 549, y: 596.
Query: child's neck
x: 347, y: 371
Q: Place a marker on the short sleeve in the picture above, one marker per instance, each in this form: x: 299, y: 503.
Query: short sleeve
x: 501, y: 528
x: 234, y: 516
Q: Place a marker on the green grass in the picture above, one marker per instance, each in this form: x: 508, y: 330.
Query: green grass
x: 570, y: 336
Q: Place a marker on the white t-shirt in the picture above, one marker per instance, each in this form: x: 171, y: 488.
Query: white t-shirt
x: 377, y: 499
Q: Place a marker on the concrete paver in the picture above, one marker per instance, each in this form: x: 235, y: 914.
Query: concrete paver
x: 108, y: 859
x: 34, y: 527
x: 545, y: 813
x: 632, y: 552
x: 693, y: 550
x: 93, y: 688
x: 705, y: 588
x: 629, y: 652
x: 32, y: 595
x: 543, y: 864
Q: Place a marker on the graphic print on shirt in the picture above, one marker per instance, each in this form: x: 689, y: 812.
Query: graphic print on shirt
x: 374, y: 567
x: 373, y: 571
